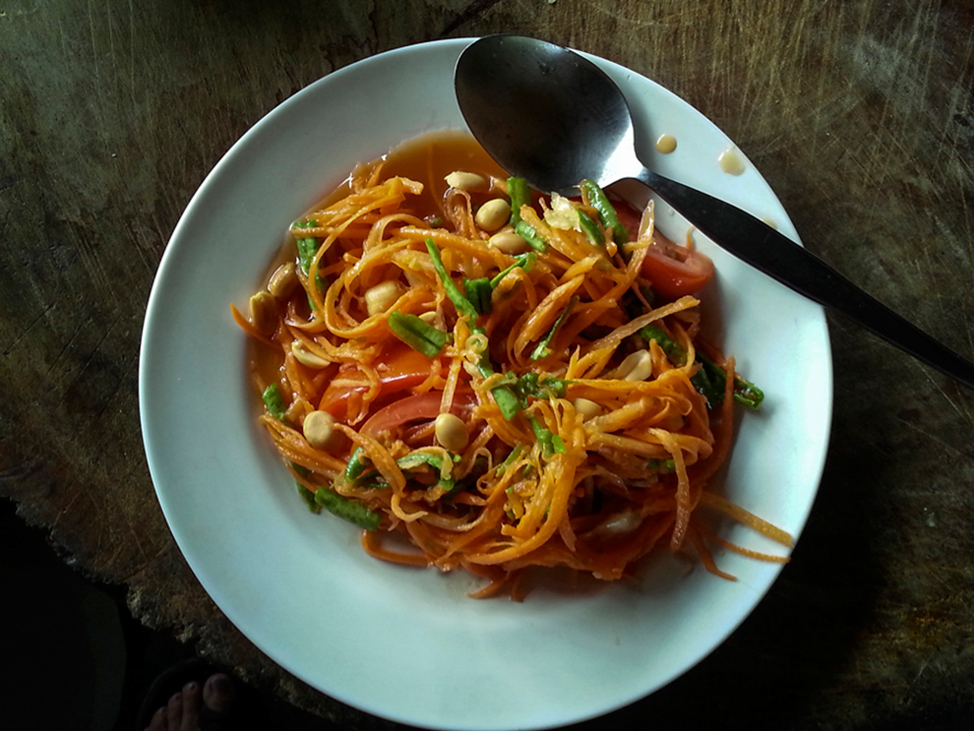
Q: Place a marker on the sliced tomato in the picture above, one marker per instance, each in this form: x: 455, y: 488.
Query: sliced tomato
x: 674, y: 270
x: 402, y: 368
x: 419, y: 407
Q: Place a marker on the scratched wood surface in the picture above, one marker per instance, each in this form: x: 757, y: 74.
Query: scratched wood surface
x: 861, y: 116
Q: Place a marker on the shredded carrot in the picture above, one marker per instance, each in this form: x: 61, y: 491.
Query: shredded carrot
x: 370, y: 542
x: 705, y: 556
x: 746, y: 551
x: 563, y: 457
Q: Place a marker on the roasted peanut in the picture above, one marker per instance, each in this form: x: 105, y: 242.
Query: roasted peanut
x: 469, y: 182
x: 636, y: 366
x: 263, y: 313
x: 306, y: 357
x: 451, y: 432
x: 587, y: 408
x: 283, y: 281
x: 381, y: 297
x: 508, y: 242
x: 493, y: 214
x: 319, y: 430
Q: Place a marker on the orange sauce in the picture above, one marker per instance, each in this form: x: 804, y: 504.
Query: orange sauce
x: 428, y: 159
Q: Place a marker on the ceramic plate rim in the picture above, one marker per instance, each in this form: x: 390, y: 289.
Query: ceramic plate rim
x: 292, y: 558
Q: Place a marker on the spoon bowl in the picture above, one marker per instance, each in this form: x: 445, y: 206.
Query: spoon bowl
x: 558, y: 102
x: 547, y: 114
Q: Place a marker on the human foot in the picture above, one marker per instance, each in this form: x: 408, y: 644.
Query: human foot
x: 190, y: 709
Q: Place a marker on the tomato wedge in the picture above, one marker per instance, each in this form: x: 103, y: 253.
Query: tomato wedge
x: 675, y: 271
x: 402, y: 368
x: 419, y: 407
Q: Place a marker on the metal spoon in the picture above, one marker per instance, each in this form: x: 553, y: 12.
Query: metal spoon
x: 548, y: 115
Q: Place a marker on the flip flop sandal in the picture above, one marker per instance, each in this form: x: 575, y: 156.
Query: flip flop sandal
x: 172, y: 681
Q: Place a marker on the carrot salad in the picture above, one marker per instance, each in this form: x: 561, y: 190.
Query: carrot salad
x: 506, y: 379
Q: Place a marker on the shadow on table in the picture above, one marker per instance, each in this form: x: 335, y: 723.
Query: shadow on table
x: 79, y: 658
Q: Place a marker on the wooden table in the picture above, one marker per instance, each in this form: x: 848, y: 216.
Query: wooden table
x: 860, y: 114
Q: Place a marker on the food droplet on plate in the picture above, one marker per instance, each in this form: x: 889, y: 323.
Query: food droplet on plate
x: 730, y: 162
x: 666, y: 144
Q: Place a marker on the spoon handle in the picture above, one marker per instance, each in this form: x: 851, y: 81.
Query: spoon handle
x: 765, y: 249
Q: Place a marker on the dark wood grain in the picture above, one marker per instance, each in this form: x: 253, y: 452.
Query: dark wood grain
x: 861, y: 116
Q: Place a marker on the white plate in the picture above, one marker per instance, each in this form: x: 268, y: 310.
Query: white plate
x: 402, y: 643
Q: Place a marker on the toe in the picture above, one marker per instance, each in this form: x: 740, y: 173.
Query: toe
x: 218, y: 693
x: 174, y: 712
x: 191, y: 707
x: 158, y: 722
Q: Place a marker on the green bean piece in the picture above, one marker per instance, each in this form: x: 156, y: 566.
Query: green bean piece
x: 517, y: 191
x: 525, y: 261
x: 356, y: 465
x: 607, y: 214
x: 712, y: 377
x: 509, y: 459
x: 507, y: 401
x: 673, y: 349
x: 550, y: 442
x: 355, y: 472
x: 555, y: 387
x: 478, y: 291
x: 705, y: 386
x: 463, y: 305
x: 709, y: 380
x: 530, y: 385
x: 417, y: 459
x: 354, y: 512
x: 542, y: 350
x: 533, y: 238
x: 745, y: 392
x: 590, y: 229
x: 274, y: 402
x: 307, y: 249
x: 308, y: 497
x: 417, y: 334
x: 543, y: 435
